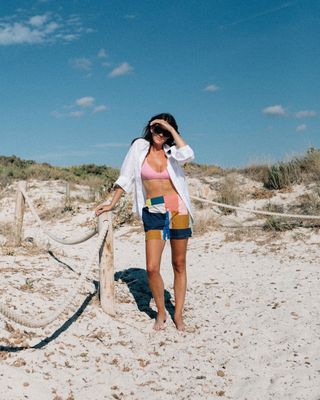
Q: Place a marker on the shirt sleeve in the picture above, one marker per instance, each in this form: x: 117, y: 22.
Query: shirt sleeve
x: 126, y: 177
x: 182, y: 154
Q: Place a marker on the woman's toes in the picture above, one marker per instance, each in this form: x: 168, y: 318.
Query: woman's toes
x: 179, y: 323
x: 160, y: 323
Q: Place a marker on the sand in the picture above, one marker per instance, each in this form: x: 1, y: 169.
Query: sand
x: 252, y: 314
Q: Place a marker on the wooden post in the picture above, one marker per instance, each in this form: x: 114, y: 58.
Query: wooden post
x: 106, y: 260
x: 67, y: 201
x: 68, y: 190
x: 19, y: 213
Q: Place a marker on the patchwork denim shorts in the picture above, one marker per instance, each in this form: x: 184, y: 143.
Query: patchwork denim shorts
x: 166, y: 217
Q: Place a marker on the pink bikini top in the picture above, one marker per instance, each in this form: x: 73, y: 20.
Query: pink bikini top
x: 149, y: 173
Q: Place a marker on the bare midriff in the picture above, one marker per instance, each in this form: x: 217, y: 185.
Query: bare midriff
x: 158, y: 187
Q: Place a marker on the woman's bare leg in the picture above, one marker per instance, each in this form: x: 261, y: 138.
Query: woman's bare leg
x: 154, y: 249
x: 179, y: 252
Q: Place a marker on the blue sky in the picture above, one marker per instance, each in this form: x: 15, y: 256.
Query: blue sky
x: 80, y: 78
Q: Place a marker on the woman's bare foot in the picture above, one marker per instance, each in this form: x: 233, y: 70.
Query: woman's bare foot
x: 179, y: 323
x: 160, y: 321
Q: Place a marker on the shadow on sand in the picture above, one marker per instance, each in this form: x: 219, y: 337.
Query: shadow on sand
x: 66, y: 324
x: 57, y: 332
x: 137, y: 282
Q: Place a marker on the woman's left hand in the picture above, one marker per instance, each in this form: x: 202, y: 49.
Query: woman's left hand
x: 165, y: 125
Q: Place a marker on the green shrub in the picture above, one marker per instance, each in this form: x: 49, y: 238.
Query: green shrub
x: 283, y: 175
x: 300, y: 169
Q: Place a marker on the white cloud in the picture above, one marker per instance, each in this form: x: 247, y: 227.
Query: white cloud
x: 51, y: 27
x: 72, y: 114
x: 102, y: 53
x: 122, y: 69
x: 80, y: 108
x: 301, y: 128
x: 46, y: 28
x: 211, y: 88
x: 85, y: 101
x: 276, y: 110
x: 100, y: 108
x: 38, y: 20
x: 57, y: 114
x: 75, y: 114
x: 18, y: 34
x: 83, y: 63
x: 68, y: 37
x: 306, y: 114
x: 74, y: 20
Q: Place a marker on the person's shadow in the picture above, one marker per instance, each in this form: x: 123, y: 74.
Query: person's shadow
x: 137, y: 282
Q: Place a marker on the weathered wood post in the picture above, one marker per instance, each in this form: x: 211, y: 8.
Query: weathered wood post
x: 19, y: 213
x: 67, y: 190
x: 106, y: 261
x: 67, y: 200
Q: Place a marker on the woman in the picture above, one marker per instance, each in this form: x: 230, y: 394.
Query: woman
x: 152, y: 167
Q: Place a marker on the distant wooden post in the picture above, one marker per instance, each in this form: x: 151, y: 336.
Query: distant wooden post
x: 19, y: 213
x: 68, y: 190
x: 67, y: 201
x: 106, y: 261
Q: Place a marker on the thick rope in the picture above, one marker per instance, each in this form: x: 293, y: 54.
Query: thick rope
x: 61, y: 306
x: 90, y: 281
x: 250, y: 210
x: 77, y: 240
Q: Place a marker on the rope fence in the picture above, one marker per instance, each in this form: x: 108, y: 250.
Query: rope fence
x: 77, y: 240
x: 61, y: 306
x: 253, y: 211
x: 103, y: 249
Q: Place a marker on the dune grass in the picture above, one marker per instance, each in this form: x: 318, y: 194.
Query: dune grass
x: 99, y: 177
x: 303, y: 169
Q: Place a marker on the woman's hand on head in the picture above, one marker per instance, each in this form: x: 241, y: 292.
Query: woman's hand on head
x: 163, y: 123
x: 103, y: 208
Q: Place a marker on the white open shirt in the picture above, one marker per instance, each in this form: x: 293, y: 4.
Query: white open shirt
x: 130, y: 172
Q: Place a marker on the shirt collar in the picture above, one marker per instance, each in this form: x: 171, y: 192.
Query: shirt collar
x: 167, y: 149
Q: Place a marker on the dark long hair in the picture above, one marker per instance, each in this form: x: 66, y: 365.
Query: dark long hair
x: 147, y: 134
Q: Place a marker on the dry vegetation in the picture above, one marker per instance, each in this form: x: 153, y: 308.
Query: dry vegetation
x: 225, y: 186
x: 205, y: 221
x: 309, y: 203
x: 229, y: 193
x: 256, y: 172
x: 7, y: 230
x: 123, y: 212
x: 304, y: 169
x: 202, y: 170
x: 98, y: 178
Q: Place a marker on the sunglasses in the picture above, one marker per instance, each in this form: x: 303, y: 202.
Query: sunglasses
x: 158, y: 130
